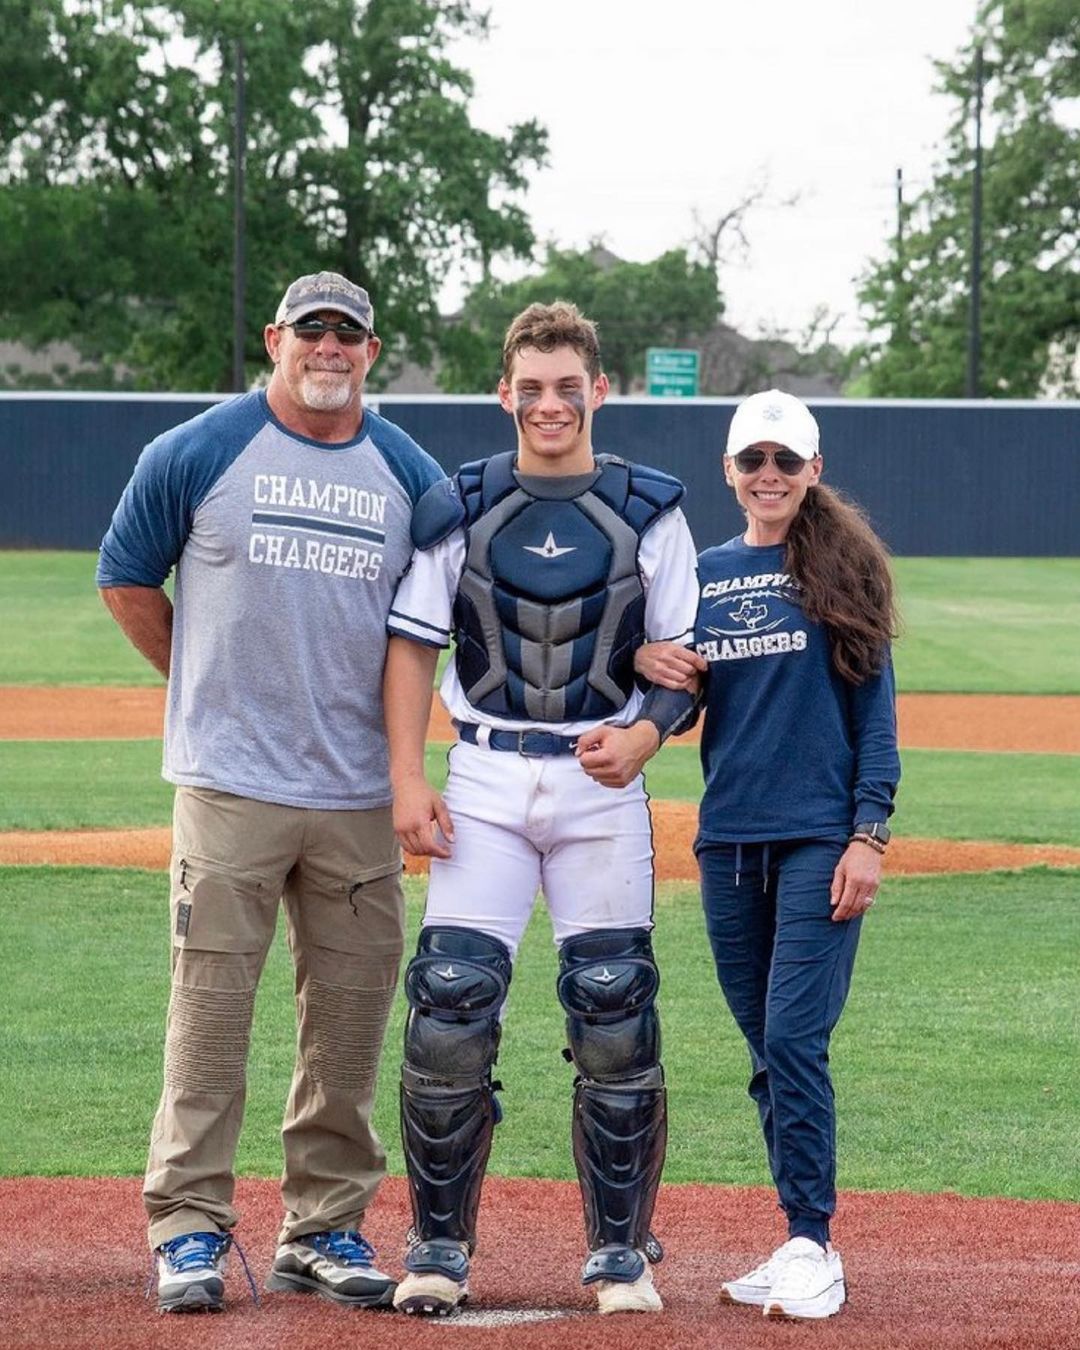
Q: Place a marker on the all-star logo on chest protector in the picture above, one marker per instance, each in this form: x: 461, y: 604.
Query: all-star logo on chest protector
x: 550, y: 606
x: 549, y: 548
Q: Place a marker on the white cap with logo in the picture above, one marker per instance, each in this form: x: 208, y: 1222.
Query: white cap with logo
x: 775, y: 417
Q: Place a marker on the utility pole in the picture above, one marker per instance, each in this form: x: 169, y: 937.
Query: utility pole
x: 902, y: 297
x: 239, y: 263
x: 974, y: 312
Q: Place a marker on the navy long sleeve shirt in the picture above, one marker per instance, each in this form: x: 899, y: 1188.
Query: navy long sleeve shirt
x: 789, y: 749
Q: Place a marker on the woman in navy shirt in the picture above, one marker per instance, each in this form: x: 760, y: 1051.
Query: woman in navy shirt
x: 801, y: 766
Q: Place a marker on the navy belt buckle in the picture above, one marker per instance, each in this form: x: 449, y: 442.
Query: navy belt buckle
x: 544, y: 744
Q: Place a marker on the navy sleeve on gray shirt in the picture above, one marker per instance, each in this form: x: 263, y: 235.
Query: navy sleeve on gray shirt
x: 172, y: 475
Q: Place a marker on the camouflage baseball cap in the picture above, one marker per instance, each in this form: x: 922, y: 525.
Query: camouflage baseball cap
x: 326, y: 290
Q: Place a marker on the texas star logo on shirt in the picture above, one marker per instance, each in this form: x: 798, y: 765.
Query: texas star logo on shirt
x: 748, y: 617
x: 549, y: 548
x: 750, y: 614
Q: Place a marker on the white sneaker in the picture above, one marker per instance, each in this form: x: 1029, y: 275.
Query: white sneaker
x: 809, y: 1282
x: 756, y: 1285
x: 637, y: 1296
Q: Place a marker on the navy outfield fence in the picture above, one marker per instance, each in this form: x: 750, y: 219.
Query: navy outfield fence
x: 937, y: 478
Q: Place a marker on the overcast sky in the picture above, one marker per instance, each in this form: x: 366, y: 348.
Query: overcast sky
x: 655, y: 110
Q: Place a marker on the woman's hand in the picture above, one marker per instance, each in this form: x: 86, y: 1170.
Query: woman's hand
x: 855, y: 881
x: 669, y: 665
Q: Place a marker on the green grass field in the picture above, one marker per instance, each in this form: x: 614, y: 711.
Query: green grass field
x: 954, y: 1063
x: 989, y: 625
x: 978, y: 625
x: 56, y: 628
x: 945, y: 794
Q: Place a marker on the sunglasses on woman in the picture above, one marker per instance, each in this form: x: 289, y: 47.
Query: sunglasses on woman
x: 787, y: 461
x: 312, y: 330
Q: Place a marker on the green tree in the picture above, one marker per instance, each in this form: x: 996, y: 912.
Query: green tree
x: 661, y: 303
x: 916, y: 300
x: 116, y: 211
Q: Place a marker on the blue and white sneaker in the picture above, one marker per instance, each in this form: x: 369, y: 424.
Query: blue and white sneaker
x: 338, y: 1264
x: 191, y: 1272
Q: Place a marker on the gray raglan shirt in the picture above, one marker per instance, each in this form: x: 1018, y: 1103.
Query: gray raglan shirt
x: 287, y: 553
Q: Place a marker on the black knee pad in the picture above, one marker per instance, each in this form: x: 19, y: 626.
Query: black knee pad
x: 608, y: 982
x: 455, y: 985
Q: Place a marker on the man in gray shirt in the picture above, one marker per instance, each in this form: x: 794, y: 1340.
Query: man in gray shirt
x: 286, y: 514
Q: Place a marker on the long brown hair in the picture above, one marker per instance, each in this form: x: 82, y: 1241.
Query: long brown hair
x: 843, y: 568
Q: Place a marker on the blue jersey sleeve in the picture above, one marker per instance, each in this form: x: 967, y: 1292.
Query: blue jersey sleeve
x: 173, y: 474
x: 872, y: 707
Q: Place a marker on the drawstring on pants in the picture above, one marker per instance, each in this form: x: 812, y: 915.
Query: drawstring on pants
x: 764, y: 865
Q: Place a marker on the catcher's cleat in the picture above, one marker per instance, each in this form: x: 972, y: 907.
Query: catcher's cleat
x: 337, y: 1265
x: 640, y: 1295
x: 191, y: 1273
x: 437, y: 1279
x: 623, y: 1280
x: 810, y: 1283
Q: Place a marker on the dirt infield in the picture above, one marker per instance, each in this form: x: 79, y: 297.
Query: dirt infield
x: 923, y: 1271
x: 1001, y: 722
x: 674, y: 825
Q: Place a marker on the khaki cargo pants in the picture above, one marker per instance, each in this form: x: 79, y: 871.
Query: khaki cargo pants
x: 337, y: 874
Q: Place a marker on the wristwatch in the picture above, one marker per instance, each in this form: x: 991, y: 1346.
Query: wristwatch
x: 874, y: 829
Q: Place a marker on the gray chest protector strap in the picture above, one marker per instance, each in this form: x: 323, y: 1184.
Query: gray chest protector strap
x: 607, y: 983
x: 455, y: 986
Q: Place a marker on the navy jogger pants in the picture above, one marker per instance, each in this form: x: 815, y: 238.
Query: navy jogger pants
x: 785, y: 969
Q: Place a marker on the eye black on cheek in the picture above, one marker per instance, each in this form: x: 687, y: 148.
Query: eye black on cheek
x: 576, y: 400
x: 524, y: 403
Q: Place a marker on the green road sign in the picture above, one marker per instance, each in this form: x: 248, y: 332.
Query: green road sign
x: 671, y: 372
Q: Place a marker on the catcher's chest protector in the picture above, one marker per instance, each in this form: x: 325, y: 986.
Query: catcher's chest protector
x: 550, y: 606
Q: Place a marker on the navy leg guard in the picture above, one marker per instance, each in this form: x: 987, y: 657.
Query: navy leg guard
x: 607, y: 984
x: 455, y: 985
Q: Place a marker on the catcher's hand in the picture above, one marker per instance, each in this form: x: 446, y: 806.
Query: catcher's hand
x: 421, y: 821
x: 614, y: 756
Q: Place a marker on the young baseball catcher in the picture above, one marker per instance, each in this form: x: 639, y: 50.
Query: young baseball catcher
x: 548, y: 568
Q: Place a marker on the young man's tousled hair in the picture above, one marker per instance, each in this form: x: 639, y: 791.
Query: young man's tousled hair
x: 546, y: 327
